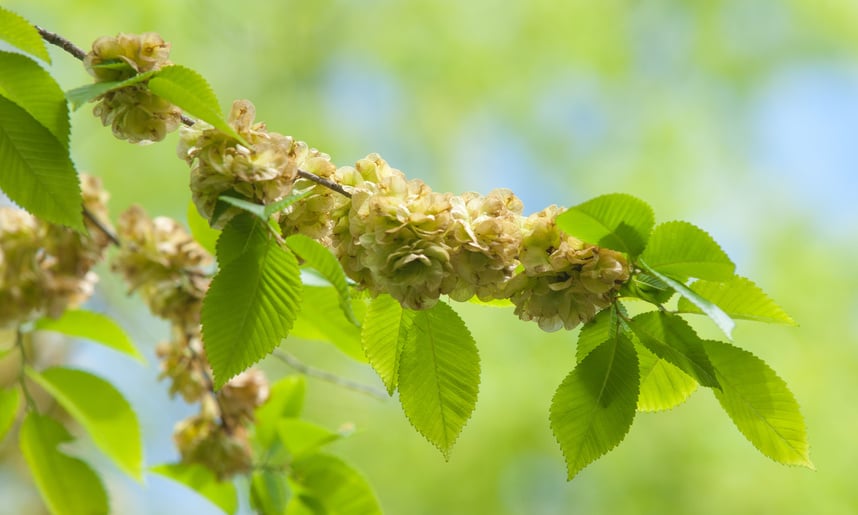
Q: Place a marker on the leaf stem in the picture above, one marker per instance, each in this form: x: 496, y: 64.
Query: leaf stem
x: 324, y: 375
x: 101, y: 227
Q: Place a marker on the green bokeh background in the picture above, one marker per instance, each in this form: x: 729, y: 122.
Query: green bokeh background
x: 740, y: 116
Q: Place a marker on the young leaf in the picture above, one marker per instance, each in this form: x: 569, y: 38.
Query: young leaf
x: 663, y: 386
x: 201, y: 230
x: 93, y: 326
x: 721, y: 319
x: 67, y: 484
x: 190, y: 91
x: 439, y: 375
x: 681, y: 250
x: 594, y: 406
x: 739, y: 298
x: 320, y: 258
x: 321, y: 319
x: 27, y: 84
x: 760, y: 404
x: 20, y: 33
x: 285, y: 400
x: 283, y: 203
x: 79, y: 96
x: 384, y: 332
x: 671, y: 338
x: 106, y: 416
x: 203, y: 481
x: 302, y: 438
x: 252, y: 301
x: 37, y: 172
x: 333, y: 485
x: 269, y: 492
x: 10, y: 402
x: 615, y: 221
x: 257, y: 210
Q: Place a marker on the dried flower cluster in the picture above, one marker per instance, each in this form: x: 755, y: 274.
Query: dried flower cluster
x: 162, y: 262
x: 133, y: 112
x: 397, y: 236
x: 46, y: 268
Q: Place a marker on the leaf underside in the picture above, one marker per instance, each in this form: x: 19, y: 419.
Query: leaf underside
x: 740, y: 298
x: 616, y: 221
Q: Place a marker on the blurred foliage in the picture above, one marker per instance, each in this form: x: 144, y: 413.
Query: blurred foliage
x: 728, y: 113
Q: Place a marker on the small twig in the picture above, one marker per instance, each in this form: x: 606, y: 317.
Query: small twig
x: 57, y: 40
x: 101, y: 227
x: 22, y: 380
x: 187, y: 120
x: 324, y: 375
x: 331, y: 185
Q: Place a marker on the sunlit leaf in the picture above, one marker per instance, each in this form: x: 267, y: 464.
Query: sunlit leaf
x: 334, y: 486
x: 203, y: 481
x: 594, y: 406
x: 18, y: 32
x: 188, y: 89
x: 739, y: 298
x: 79, y: 96
x: 27, y: 84
x: 301, y: 437
x: 615, y: 221
x: 95, y: 327
x: 439, y: 375
x: 201, y: 230
x: 285, y: 400
x: 321, y: 259
x: 67, y: 484
x: 760, y: 404
x: 384, y: 330
x: 715, y: 313
x: 252, y: 301
x: 663, y: 386
x: 671, y: 338
x: 105, y: 414
x: 681, y: 250
x: 595, y: 332
x: 10, y: 402
x: 322, y: 319
x: 38, y: 174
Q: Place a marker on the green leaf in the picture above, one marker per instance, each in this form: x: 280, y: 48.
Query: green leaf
x: 283, y: 203
x: 188, y: 89
x: 385, y: 329
x: 201, y: 230
x: 760, y: 404
x: 285, y: 400
x: 257, y: 210
x: 322, y: 319
x: 601, y: 328
x: 615, y: 221
x: 663, y: 386
x: 681, y: 250
x: 739, y: 298
x: 96, y: 327
x: 67, y: 484
x: 269, y: 492
x: 321, y: 259
x: 27, y: 84
x: 79, y: 96
x: 439, y: 375
x: 721, y: 319
x: 594, y: 406
x: 333, y: 485
x: 302, y: 438
x: 252, y: 301
x: 105, y: 414
x: 671, y: 338
x: 203, y: 481
x: 10, y: 402
x: 21, y: 34
x: 38, y: 174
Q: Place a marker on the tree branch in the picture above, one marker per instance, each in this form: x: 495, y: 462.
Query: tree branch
x: 57, y: 40
x: 309, y: 371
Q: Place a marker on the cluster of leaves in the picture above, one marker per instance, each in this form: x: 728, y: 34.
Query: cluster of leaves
x: 38, y: 174
x: 626, y: 363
